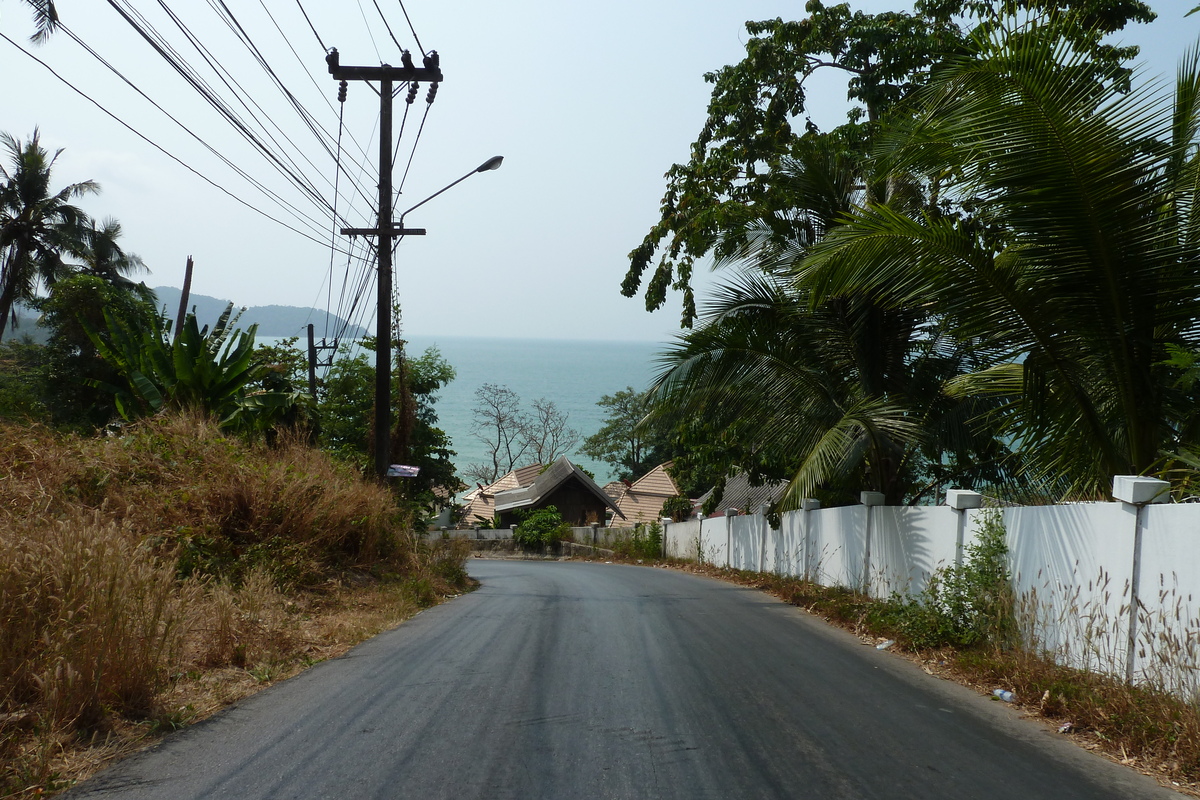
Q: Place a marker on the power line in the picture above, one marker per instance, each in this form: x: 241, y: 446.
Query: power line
x: 387, y: 25
x: 324, y: 49
x: 155, y: 145
x: 416, y: 38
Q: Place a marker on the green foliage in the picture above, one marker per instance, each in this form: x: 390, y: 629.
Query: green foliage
x: 628, y: 443
x: 678, y: 508
x: 211, y: 371
x: 346, y: 411
x: 644, y: 541
x: 963, y: 606
x: 74, y: 365
x: 23, y: 381
x: 729, y: 191
x: 346, y: 407
x: 38, y: 225
x: 541, y: 527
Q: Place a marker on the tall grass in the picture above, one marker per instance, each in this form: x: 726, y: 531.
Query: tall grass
x: 170, y: 549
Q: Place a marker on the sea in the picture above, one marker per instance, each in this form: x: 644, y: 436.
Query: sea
x: 572, y: 374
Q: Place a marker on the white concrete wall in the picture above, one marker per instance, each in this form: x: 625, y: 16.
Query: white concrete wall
x: 1167, y: 638
x: 908, y: 545
x: 1073, y: 570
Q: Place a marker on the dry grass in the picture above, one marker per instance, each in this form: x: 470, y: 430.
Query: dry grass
x: 149, y: 579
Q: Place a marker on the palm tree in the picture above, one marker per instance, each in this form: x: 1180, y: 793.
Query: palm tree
x: 844, y: 394
x: 104, y: 258
x: 1077, y: 264
x: 45, y: 16
x: 37, y: 227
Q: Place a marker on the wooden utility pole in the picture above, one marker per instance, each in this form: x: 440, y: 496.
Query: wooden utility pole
x: 384, y: 231
x: 183, y: 297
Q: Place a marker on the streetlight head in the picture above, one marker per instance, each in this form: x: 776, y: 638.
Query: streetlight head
x: 492, y: 163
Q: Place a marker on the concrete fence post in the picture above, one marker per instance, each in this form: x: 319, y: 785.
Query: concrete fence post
x: 870, y: 500
x: 961, y: 500
x: 666, y: 522
x: 595, y: 532
x: 762, y: 550
x: 807, y: 506
x: 1138, y: 492
x: 730, y: 513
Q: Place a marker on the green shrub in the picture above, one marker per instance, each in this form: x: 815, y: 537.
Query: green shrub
x: 678, y: 508
x: 644, y: 542
x: 964, y: 605
x: 541, y: 527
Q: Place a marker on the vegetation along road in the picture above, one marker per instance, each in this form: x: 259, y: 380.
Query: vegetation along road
x: 571, y: 680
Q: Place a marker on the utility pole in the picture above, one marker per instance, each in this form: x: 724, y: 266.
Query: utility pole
x: 384, y: 230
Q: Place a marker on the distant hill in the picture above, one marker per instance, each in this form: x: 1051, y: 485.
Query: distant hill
x: 272, y: 320
x: 275, y: 321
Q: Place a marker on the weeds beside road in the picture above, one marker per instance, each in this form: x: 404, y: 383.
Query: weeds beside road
x: 148, y: 580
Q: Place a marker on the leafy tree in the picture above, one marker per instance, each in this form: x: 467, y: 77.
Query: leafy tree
x: 37, y: 225
x: 347, y: 406
x: 756, y: 116
x: 74, y: 365
x: 630, y: 447
x: 22, y: 381
x: 1088, y: 272
x: 429, y: 447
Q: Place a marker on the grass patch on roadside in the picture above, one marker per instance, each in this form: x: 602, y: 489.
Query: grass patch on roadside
x: 149, y: 579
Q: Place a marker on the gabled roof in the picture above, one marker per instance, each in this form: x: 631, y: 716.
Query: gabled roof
x: 643, y: 500
x: 741, y: 495
x: 555, y: 475
x: 480, y: 502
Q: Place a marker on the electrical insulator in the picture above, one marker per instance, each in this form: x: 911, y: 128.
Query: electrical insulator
x: 412, y: 93
x: 432, y: 93
x: 342, y: 92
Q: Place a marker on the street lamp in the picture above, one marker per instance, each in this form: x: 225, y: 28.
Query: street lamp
x: 383, y: 330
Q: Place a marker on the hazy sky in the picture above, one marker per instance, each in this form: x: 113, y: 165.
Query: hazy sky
x: 588, y: 103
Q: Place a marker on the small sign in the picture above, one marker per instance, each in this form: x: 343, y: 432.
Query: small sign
x: 402, y: 471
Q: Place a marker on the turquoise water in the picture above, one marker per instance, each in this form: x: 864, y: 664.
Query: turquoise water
x: 573, y: 374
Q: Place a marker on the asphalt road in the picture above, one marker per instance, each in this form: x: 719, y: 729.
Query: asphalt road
x: 573, y: 680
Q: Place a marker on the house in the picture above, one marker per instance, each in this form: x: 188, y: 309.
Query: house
x: 479, y: 504
x: 642, y: 501
x: 746, y: 498
x: 563, y: 485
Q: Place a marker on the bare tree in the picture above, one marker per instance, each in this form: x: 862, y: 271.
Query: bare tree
x: 500, y: 424
x: 546, y: 433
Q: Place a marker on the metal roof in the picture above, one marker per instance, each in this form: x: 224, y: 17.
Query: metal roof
x: 555, y: 475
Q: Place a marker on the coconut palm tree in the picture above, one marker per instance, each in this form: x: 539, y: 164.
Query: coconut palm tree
x: 45, y: 16
x: 104, y: 258
x: 1078, y: 262
x: 38, y: 226
x: 844, y: 393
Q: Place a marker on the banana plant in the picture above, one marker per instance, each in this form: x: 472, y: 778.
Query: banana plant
x: 200, y: 369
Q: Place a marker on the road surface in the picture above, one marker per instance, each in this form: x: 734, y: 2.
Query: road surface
x: 585, y: 680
